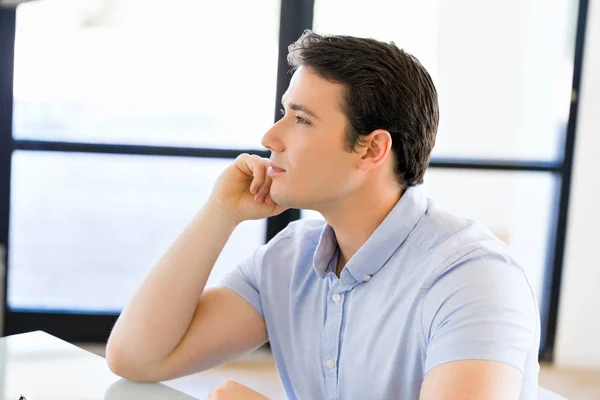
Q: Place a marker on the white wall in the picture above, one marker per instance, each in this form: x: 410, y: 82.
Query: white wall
x: 578, y: 332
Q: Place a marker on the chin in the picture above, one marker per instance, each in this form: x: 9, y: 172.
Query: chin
x: 299, y: 196
x: 283, y: 198
x: 284, y: 201
x: 291, y: 201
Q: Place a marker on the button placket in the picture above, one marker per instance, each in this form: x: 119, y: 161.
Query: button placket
x: 331, y: 336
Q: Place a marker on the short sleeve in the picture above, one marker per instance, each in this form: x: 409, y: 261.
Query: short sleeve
x: 481, y: 308
x: 244, y: 280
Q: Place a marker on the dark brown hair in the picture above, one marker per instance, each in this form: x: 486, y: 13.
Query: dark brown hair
x: 386, y: 88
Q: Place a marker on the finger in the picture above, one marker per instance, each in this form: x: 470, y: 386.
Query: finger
x: 245, y: 162
x: 262, y: 163
x: 264, y: 189
x: 241, y: 162
x: 259, y: 173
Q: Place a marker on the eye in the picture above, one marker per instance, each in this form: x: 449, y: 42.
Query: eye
x: 301, y: 121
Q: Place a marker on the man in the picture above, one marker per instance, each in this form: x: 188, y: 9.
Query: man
x: 391, y: 298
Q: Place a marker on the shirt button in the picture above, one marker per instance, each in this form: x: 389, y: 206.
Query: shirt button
x: 366, y: 277
x: 330, y: 364
x: 336, y: 298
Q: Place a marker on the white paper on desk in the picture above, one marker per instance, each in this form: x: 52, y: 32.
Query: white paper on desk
x: 126, y: 390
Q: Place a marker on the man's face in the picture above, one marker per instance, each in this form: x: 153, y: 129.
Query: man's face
x: 309, y: 144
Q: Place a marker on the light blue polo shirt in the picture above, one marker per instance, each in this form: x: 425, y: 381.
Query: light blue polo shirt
x: 426, y: 288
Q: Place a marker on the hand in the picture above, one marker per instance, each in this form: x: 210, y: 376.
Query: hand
x: 231, y: 390
x: 242, y: 190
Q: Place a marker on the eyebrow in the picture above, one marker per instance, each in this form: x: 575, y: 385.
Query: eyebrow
x: 300, y: 107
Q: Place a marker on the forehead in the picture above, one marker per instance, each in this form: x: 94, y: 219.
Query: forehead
x: 313, y: 91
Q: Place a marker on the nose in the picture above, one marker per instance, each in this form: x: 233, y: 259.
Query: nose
x: 272, y: 138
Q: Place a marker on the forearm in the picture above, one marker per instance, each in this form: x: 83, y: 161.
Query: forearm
x: 157, y: 317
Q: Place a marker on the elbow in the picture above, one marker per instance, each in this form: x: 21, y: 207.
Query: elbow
x: 115, y: 365
x: 118, y: 363
x: 126, y: 367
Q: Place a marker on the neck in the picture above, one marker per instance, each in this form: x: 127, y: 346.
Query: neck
x: 355, y: 218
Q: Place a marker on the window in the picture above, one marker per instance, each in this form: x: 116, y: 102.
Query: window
x: 124, y: 113
x: 137, y: 72
x: 86, y: 228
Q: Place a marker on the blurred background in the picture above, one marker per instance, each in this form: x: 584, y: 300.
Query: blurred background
x: 117, y: 116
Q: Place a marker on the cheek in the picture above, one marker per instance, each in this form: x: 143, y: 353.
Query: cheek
x: 311, y: 166
x: 323, y: 170
x: 317, y: 163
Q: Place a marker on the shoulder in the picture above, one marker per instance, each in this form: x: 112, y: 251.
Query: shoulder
x: 466, y: 262
x: 444, y: 233
x: 479, y: 306
x: 477, y: 289
x: 445, y: 239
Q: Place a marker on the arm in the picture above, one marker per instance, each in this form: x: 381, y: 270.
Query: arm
x: 171, y: 328
x: 472, y: 379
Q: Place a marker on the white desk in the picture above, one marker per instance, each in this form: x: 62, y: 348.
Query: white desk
x: 43, y: 367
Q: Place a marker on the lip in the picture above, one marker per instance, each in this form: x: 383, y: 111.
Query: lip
x: 275, y: 169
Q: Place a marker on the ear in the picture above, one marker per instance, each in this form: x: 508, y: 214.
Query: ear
x: 374, y: 149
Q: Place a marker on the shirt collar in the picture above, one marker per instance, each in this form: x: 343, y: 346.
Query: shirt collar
x: 380, y: 246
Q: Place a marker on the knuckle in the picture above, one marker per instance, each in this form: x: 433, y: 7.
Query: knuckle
x: 220, y: 392
x: 262, y: 161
